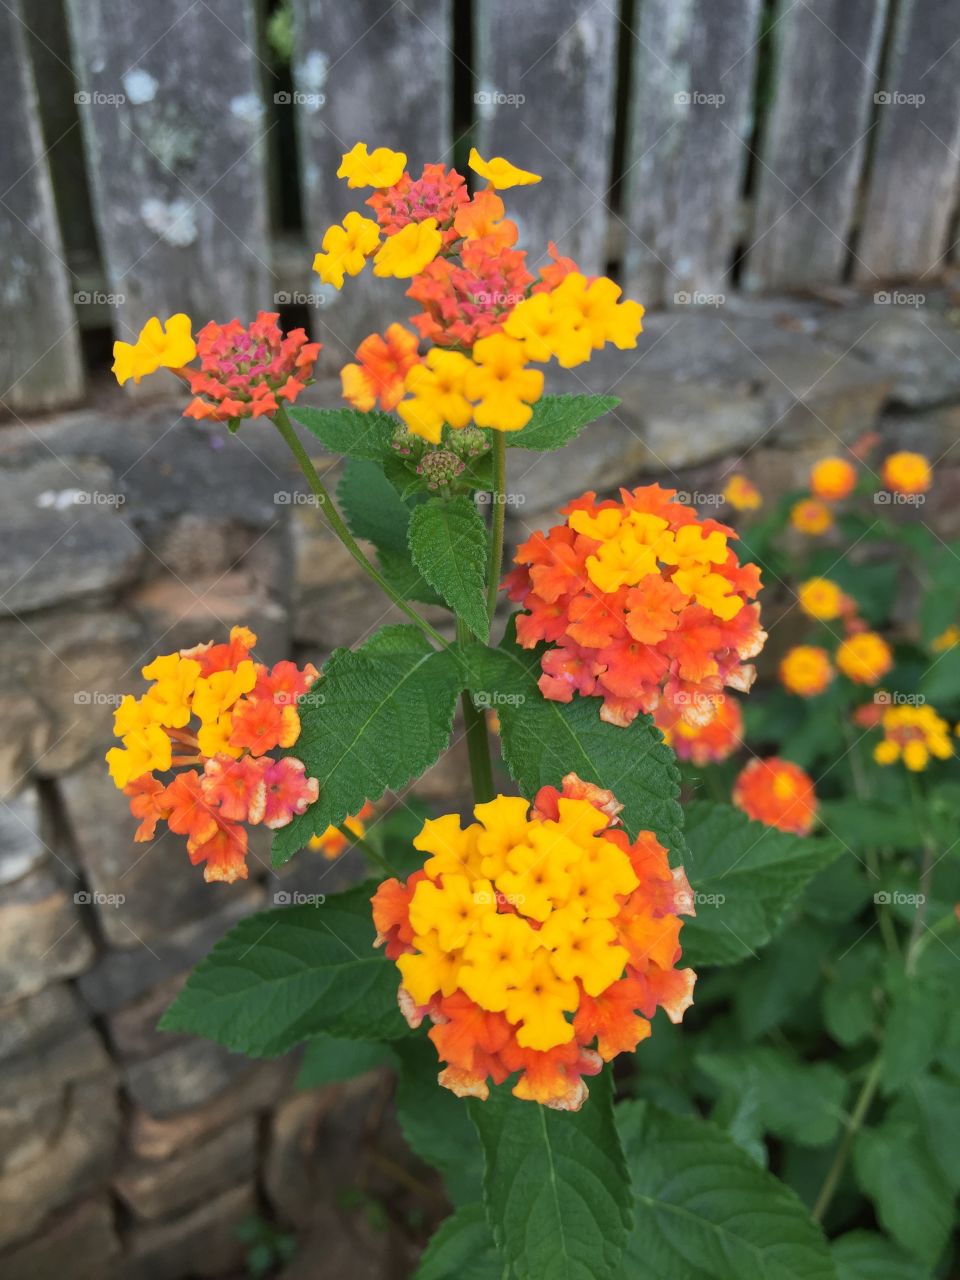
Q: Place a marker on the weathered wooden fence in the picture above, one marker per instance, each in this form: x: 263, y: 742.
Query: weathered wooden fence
x: 692, y: 146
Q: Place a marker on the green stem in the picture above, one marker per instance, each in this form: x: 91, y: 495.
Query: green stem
x: 853, y: 1125
x: 478, y: 737
x: 499, y: 516
x: 292, y: 440
x: 862, y: 790
x: 926, y: 874
x: 375, y: 856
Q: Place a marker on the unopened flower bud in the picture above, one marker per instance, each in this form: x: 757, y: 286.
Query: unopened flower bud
x: 468, y: 443
x: 439, y: 467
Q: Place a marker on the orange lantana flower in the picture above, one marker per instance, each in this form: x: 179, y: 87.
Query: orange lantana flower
x: 382, y: 365
x: 777, y: 793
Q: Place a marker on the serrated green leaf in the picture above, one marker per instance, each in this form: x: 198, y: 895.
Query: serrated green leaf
x: 556, y: 1186
x: 914, y: 1027
x: 372, y: 507
x: 405, y: 578
x: 382, y: 715
x: 799, y: 1101
x: 328, y: 1059
x: 348, y: 431
x: 556, y: 420
x: 436, y: 1123
x: 462, y: 1248
x: 542, y: 741
x: 703, y: 1208
x: 746, y: 876
x: 941, y: 682
x: 864, y: 1255
x: 448, y: 544
x: 895, y: 1169
x: 279, y: 977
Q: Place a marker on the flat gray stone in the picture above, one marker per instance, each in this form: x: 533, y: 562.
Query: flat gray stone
x: 21, y: 844
x: 917, y: 347
x: 81, y: 1244
x: 185, y: 1076
x: 42, y: 936
x: 162, y: 1188
x: 202, y: 1243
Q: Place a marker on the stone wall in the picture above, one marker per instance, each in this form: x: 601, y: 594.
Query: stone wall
x: 126, y: 533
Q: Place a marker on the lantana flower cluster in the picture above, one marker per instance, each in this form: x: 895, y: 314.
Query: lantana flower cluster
x: 487, y: 316
x: 913, y: 735
x: 538, y: 942
x: 777, y: 793
x: 703, y: 744
x: 214, y: 714
x: 639, y: 601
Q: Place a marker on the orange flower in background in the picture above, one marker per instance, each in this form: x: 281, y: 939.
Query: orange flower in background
x: 539, y: 942
x: 642, y: 603
x: 382, y: 364
x: 707, y: 743
x: 864, y: 657
x: 908, y: 473
x: 806, y: 670
x: 218, y: 712
x: 332, y: 842
x: 246, y: 372
x: 832, y: 479
x: 741, y: 494
x: 811, y: 516
x: 777, y: 793
x: 821, y: 599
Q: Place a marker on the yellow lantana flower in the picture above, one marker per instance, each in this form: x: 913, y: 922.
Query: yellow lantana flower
x: 913, y: 734
x: 159, y: 346
x: 436, y: 394
x: 500, y: 173
x: 346, y: 248
x: 907, y: 472
x: 832, y: 479
x: 502, y: 384
x: 821, y: 599
x: 811, y: 516
x: 405, y: 254
x: 865, y: 657
x: 741, y: 494
x: 806, y: 670
x: 379, y: 168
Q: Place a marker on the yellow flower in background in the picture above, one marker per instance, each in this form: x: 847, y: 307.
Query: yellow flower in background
x: 159, y: 346
x: 832, y: 479
x: 907, y: 472
x: 821, y: 599
x: 379, y: 168
x: 406, y: 253
x: 436, y: 394
x: 741, y: 494
x: 500, y: 173
x: 501, y: 383
x: 865, y: 657
x: 811, y: 516
x: 806, y: 670
x: 946, y: 639
x: 346, y: 248
x: 913, y: 735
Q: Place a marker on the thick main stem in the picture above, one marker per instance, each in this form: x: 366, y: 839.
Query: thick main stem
x: 857, y: 1117
x: 318, y: 489
x: 499, y: 499
x: 478, y: 737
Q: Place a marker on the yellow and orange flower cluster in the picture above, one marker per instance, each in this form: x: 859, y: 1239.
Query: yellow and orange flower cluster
x: 907, y: 473
x: 742, y: 494
x: 538, y: 942
x: 806, y: 669
x: 864, y: 657
x: 487, y: 316
x: 777, y: 793
x: 332, y: 842
x: 703, y: 744
x: 218, y: 712
x: 913, y: 735
x: 640, y: 601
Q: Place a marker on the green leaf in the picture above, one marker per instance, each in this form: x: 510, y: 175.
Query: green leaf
x: 462, y: 1249
x: 348, y: 431
x: 850, y: 995
x: 556, y: 1185
x: 405, y: 578
x: 875, y: 826
x: 796, y: 1100
x: 895, y: 1169
x: 557, y: 420
x: 705, y: 1209
x: 542, y: 741
x: 914, y: 1027
x: 328, y: 1060
x: 746, y: 876
x: 769, y: 989
x: 864, y: 1255
x: 937, y: 1102
x: 382, y: 716
x: 448, y: 543
x: 372, y: 507
x: 280, y: 977
x: 436, y: 1123
x: 941, y: 681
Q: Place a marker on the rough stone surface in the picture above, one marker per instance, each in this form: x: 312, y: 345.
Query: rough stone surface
x: 918, y: 347
x: 21, y: 844
x: 161, y: 1188
x: 186, y: 1076
x: 202, y: 1243
x: 43, y: 937
x: 80, y: 1244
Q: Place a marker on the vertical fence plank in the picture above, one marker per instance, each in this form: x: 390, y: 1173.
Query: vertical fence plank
x: 545, y: 99
x: 913, y: 181
x: 40, y: 365
x: 825, y: 68
x: 376, y: 72
x: 690, y: 117
x: 172, y: 108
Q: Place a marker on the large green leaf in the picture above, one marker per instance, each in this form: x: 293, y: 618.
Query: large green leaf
x: 348, y: 431
x: 280, y: 977
x: 914, y: 1027
x: 448, y: 543
x: 864, y: 1255
x: 556, y: 420
x: 850, y: 1010
x: 745, y: 877
x: 382, y: 714
x: 704, y: 1210
x: 542, y: 741
x: 436, y: 1123
x: 936, y: 1100
x: 556, y: 1186
x: 896, y: 1170
x: 328, y: 1059
x: 372, y: 507
x: 462, y: 1249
